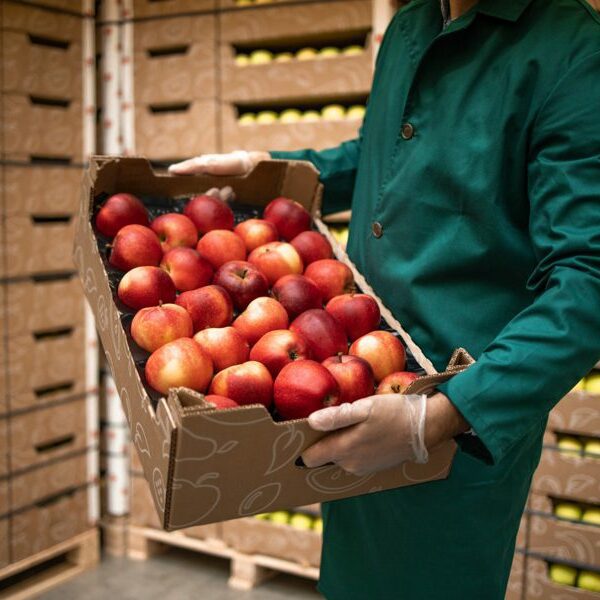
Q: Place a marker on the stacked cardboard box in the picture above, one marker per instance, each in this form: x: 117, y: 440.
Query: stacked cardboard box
x: 44, y: 394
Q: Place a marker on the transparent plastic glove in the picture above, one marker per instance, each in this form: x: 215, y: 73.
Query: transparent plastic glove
x: 371, y: 434
x: 239, y: 162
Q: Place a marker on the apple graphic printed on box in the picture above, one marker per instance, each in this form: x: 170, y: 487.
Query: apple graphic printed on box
x: 203, y: 464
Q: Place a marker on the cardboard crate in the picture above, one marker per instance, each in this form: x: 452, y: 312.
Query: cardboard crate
x: 135, y: 462
x: 514, y: 588
x: 33, y: 128
x: 46, y: 369
x: 3, y: 447
x: 331, y: 77
x: 539, y: 586
x: 43, y: 305
x: 560, y: 539
x: 17, y: 16
x: 162, y: 8
x: 4, y: 497
x: 44, y: 66
x: 176, y: 130
x: 567, y: 477
x: 577, y: 413
x: 72, y: 6
x: 39, y: 436
x: 188, y: 450
x: 41, y: 190
x: 47, y: 523
x: 254, y: 536
x: 36, y: 245
x: 283, y: 136
x: 302, y: 21
x: 175, y: 59
x: 35, y: 485
x: 4, y: 545
x: 144, y: 514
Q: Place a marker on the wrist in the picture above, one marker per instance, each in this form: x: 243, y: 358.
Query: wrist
x: 443, y: 421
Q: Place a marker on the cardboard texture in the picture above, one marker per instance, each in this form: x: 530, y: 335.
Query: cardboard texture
x: 577, y: 413
x: 174, y: 131
x: 197, y: 459
x: 36, y: 485
x: 254, y: 536
x: 44, y: 525
x: 567, y: 477
x: 135, y: 462
x: 41, y: 190
x: 37, y: 245
x: 39, y: 436
x: 40, y: 305
x: 231, y: 4
x: 283, y: 136
x: 539, y: 585
x: 296, y: 21
x: 41, y: 65
x: 514, y: 588
x: 71, y: 6
x: 32, y: 127
x: 22, y: 17
x: 523, y: 532
x: 4, y: 546
x: 162, y: 8
x: 187, y: 73
x: 4, y: 497
x: 3, y: 447
x: 342, y: 76
x: 45, y: 369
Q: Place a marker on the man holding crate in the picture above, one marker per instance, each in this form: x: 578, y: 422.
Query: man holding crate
x: 475, y: 186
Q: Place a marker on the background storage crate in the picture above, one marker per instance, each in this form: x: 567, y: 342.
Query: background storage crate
x: 46, y: 434
x: 19, y: 16
x: 156, y: 8
x: 46, y: 368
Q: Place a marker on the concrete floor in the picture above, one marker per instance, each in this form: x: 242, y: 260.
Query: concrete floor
x: 176, y: 575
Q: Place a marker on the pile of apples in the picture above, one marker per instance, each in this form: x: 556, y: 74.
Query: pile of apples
x: 254, y: 313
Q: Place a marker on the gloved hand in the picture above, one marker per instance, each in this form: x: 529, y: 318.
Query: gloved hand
x: 239, y: 162
x: 371, y: 434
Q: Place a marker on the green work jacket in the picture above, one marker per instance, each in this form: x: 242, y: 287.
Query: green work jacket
x: 475, y: 187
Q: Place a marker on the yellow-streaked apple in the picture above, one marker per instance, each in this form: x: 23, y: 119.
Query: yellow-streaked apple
x: 276, y: 259
x: 332, y: 277
x: 225, y: 345
x: 248, y: 383
x: 262, y: 315
x: 383, y: 351
x: 155, y: 326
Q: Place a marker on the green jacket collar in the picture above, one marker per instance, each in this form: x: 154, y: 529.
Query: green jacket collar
x: 509, y: 10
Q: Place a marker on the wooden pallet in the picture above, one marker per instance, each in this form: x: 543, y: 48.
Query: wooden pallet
x: 37, y: 574
x: 114, y: 535
x: 247, y: 571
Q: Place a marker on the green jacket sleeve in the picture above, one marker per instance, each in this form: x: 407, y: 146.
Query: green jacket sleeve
x: 544, y: 350
x: 338, y: 172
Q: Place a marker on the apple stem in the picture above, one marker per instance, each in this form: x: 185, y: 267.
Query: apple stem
x: 160, y: 303
x: 339, y: 356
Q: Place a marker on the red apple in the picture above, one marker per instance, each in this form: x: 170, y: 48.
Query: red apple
x: 156, y: 326
x: 312, y: 246
x: 302, y: 387
x: 209, y: 306
x: 208, y: 213
x: 225, y: 346
x: 248, y: 383
x: 187, y: 269
x: 256, y: 232
x: 357, y: 313
x: 145, y: 286
x: 331, y: 276
x: 174, y: 230
x: 396, y: 383
x: 323, y: 333
x: 278, y: 348
x: 243, y: 281
x: 288, y: 216
x: 297, y: 294
x: 276, y: 260
x: 220, y: 246
x: 135, y: 246
x: 181, y: 363
x: 354, y: 376
x: 261, y: 316
x: 382, y: 350
x: 120, y: 210
x: 221, y: 402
